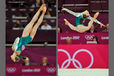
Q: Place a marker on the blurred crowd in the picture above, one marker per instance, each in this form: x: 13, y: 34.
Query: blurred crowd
x: 20, y: 12
x: 26, y: 61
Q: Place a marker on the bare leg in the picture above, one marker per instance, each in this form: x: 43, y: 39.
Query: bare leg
x: 29, y: 26
x: 86, y: 28
x: 34, y: 29
x: 70, y: 25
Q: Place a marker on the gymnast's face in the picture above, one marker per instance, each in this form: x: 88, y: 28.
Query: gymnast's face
x: 86, y: 14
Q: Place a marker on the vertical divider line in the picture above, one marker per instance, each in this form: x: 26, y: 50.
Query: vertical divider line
x: 57, y: 37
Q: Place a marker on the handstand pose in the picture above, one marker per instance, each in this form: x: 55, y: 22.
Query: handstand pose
x: 28, y: 34
x: 80, y: 18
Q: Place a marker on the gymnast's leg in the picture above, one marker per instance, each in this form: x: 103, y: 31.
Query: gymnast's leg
x: 70, y: 25
x: 29, y: 26
x: 34, y: 29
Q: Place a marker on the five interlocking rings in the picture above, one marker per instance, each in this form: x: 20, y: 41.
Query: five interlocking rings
x: 11, y: 69
x: 75, y: 60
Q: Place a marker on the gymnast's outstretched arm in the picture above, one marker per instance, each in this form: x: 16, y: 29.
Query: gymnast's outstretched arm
x: 96, y: 21
x: 71, y: 12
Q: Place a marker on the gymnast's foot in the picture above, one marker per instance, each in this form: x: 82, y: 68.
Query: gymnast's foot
x: 66, y: 21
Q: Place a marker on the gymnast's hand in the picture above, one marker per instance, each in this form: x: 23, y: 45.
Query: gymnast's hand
x: 64, y: 9
x: 15, y: 58
x: 102, y: 25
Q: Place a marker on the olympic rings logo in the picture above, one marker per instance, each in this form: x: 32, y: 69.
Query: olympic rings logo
x: 50, y: 70
x: 89, y: 37
x: 69, y: 60
x: 11, y: 69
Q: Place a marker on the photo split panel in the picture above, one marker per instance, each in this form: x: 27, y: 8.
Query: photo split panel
x: 83, y: 37
x: 30, y: 37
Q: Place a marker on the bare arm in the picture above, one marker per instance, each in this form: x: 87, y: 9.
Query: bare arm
x: 101, y: 24
x: 94, y: 20
x: 15, y: 57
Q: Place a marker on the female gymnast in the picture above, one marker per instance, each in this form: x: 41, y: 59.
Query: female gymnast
x: 80, y: 18
x: 28, y: 34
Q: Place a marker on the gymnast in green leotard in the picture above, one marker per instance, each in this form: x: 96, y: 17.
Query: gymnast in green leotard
x: 28, y: 34
x: 80, y: 18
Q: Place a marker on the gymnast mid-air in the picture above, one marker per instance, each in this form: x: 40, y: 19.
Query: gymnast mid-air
x: 28, y: 34
x: 80, y: 18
